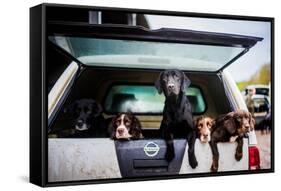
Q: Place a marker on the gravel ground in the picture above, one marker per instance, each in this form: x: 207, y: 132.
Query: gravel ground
x: 265, y: 148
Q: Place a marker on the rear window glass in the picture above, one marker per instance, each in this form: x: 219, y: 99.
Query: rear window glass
x: 147, y: 54
x: 144, y: 99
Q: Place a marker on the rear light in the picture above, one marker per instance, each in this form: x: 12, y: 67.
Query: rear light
x: 254, y: 158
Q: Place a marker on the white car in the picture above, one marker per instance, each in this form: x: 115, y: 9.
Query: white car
x: 263, y: 90
x: 116, y: 60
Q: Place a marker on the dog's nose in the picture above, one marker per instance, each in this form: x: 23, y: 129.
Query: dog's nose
x: 80, y: 123
x: 120, y: 131
x: 171, y: 86
x: 205, y: 135
x: 247, y: 127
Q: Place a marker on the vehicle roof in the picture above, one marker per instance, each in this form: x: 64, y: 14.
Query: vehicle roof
x: 118, y: 31
x: 257, y: 86
x: 211, y: 51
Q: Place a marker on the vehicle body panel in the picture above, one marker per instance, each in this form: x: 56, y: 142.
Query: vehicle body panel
x: 79, y: 159
x: 227, y: 161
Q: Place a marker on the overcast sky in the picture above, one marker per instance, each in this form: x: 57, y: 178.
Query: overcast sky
x: 245, y: 66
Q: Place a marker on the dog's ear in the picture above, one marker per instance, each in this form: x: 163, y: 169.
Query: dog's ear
x: 70, y: 108
x: 158, y: 83
x: 98, y: 107
x: 230, y: 125
x: 195, y: 123
x: 251, y: 122
x: 135, y: 130
x: 185, y: 82
x: 111, y: 129
x: 213, y: 123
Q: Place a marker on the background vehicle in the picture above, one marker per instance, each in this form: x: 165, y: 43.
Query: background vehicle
x: 120, y: 74
x: 259, y: 90
x: 261, y: 102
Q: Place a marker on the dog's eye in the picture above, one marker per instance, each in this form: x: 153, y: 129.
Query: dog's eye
x: 127, y: 123
x: 177, y: 78
x: 117, y: 123
x: 78, y: 110
x: 239, y: 119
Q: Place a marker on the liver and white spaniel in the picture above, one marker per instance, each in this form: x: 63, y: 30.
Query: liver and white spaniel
x: 204, y: 127
x: 125, y: 126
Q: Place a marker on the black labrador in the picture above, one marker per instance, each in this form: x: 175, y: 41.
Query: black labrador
x: 177, y: 114
x: 86, y: 118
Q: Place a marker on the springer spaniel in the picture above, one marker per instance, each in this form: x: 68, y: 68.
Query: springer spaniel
x: 125, y: 126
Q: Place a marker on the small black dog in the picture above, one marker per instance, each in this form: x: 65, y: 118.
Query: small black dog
x: 177, y: 114
x: 86, y: 116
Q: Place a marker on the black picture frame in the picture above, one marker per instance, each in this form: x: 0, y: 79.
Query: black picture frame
x: 40, y: 19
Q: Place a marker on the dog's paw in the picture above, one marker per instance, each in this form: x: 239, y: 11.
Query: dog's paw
x: 169, y: 156
x: 193, y: 162
x: 214, y: 168
x: 238, y: 156
x: 215, y: 165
